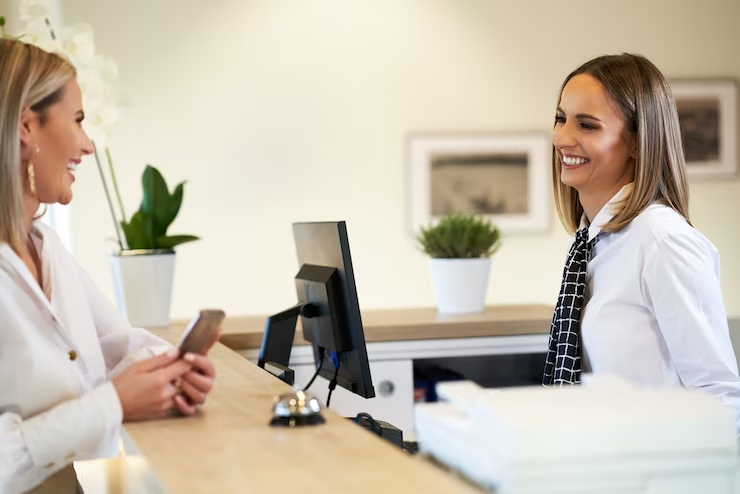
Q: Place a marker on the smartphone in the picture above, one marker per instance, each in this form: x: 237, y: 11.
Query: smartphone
x: 202, y: 332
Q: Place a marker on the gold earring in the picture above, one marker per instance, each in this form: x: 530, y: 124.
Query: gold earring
x: 31, y: 179
x: 32, y: 176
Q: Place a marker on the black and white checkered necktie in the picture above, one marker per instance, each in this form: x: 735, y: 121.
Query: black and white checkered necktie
x: 563, y: 363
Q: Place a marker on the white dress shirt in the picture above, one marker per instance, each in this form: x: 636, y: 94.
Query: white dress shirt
x: 654, y: 312
x: 58, y: 343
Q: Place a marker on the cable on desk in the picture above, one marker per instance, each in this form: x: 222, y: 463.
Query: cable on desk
x: 333, y: 383
x: 318, y: 369
x: 370, y: 420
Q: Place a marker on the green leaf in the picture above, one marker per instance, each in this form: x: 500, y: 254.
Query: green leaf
x: 148, y: 227
x: 175, y: 202
x: 153, y: 231
x: 175, y: 240
x: 2, y: 21
x: 155, y: 202
x: 138, y: 232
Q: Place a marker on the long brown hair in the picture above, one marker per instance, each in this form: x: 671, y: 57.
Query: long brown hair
x: 30, y: 79
x: 643, y: 95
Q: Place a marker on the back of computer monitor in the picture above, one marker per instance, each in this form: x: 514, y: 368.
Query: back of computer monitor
x: 326, y: 278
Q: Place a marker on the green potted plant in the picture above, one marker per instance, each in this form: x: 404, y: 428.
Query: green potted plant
x: 460, y: 247
x: 143, y: 269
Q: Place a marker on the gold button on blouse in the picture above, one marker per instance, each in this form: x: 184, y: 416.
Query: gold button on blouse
x: 72, y: 355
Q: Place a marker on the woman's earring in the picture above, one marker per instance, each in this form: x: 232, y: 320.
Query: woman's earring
x: 31, y: 179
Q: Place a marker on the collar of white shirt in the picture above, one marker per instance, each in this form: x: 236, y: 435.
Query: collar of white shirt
x: 606, y: 213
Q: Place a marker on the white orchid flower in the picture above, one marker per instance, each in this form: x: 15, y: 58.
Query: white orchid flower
x: 78, y: 43
x: 30, y: 10
x: 96, y: 74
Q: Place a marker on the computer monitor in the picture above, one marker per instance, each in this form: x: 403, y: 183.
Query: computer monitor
x: 328, y: 308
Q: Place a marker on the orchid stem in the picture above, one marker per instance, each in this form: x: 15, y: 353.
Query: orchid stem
x: 51, y: 29
x: 107, y: 196
x: 115, y: 185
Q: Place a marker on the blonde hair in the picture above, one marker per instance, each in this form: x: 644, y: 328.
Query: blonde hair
x: 640, y: 91
x: 30, y: 78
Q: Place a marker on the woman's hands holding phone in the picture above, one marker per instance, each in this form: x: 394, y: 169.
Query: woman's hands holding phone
x: 146, y: 389
x: 198, y: 382
x: 195, y: 384
x: 152, y: 388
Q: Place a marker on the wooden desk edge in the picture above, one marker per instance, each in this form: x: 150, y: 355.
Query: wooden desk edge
x: 245, y: 333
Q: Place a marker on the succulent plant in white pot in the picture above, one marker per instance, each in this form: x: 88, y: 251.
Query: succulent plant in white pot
x: 460, y: 247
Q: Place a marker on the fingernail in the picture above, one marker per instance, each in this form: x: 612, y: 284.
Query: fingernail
x: 172, y: 352
x: 190, y: 357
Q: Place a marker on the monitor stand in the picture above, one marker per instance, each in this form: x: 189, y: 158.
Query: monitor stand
x: 277, y: 341
x: 283, y: 373
x: 296, y: 408
x: 274, y: 357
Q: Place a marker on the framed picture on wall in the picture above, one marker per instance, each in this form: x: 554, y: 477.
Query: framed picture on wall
x: 502, y: 176
x: 707, y: 113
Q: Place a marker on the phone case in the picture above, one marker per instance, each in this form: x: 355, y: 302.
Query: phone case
x: 201, y: 332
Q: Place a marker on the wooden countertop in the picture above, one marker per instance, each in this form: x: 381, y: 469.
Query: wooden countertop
x: 245, y: 333
x: 229, y: 446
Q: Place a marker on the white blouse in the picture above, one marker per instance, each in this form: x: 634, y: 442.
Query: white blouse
x: 654, y: 312
x: 57, y: 347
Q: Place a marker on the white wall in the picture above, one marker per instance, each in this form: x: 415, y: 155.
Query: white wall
x: 278, y: 111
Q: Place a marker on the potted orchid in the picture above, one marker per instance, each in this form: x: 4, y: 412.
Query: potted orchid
x: 143, y: 271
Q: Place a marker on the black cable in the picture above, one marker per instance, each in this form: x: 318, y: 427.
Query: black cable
x: 333, y: 382
x: 370, y: 420
x: 318, y: 369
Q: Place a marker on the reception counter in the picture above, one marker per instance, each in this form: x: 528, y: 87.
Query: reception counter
x: 229, y: 447
x: 400, y: 340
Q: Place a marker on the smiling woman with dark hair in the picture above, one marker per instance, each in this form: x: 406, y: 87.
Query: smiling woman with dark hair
x: 71, y: 369
x: 641, y: 293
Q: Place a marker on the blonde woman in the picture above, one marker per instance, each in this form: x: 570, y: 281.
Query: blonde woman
x: 641, y: 292
x: 65, y: 380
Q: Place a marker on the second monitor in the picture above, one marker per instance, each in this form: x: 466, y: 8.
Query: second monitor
x: 328, y: 307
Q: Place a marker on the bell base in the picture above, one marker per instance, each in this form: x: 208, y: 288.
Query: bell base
x: 299, y: 421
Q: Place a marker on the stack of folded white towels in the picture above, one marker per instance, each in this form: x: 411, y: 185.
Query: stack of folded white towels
x: 605, y: 436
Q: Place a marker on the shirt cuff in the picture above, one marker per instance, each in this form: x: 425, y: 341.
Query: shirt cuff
x: 16, y: 465
x: 85, y: 428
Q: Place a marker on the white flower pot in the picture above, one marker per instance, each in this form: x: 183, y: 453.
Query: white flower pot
x: 460, y: 285
x: 142, y: 280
